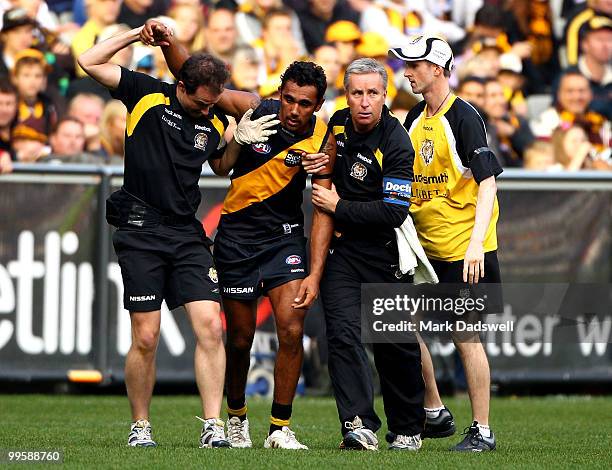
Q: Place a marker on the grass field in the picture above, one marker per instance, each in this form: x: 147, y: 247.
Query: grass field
x: 554, y: 432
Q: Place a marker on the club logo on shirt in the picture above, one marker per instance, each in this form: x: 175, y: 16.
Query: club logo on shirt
x: 427, y: 151
x: 359, y: 171
x: 212, y: 275
x: 293, y: 259
x: 293, y: 158
x: 261, y: 148
x: 200, y: 141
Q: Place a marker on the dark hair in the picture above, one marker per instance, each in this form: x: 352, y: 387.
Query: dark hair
x: 470, y: 79
x: 7, y: 87
x: 491, y: 15
x: 66, y: 119
x: 273, y: 12
x: 203, y: 70
x: 24, y: 61
x: 306, y: 73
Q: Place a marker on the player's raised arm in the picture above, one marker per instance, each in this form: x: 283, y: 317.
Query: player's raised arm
x: 95, y: 61
x: 232, y: 102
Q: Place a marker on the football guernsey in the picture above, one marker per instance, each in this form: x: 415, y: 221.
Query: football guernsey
x: 264, y: 201
x: 165, y: 148
x: 452, y: 158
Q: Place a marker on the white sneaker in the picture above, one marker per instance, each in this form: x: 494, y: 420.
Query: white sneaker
x: 213, y: 434
x: 283, y: 439
x: 140, y: 434
x: 359, y: 437
x: 238, y: 433
x: 402, y: 442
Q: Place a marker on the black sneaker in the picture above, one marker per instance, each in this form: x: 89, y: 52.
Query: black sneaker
x: 441, y: 426
x: 474, y: 441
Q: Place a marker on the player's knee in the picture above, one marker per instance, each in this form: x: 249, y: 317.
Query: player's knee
x: 210, y: 331
x: 145, y: 340
x: 290, y: 335
x: 241, y: 340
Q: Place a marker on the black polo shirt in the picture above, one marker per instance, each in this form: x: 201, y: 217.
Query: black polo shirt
x: 373, y: 176
x: 165, y: 148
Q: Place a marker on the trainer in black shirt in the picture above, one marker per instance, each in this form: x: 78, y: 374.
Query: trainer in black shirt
x: 372, y: 176
x: 161, y: 248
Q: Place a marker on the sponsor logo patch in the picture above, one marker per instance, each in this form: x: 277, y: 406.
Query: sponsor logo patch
x: 293, y: 259
x: 359, y: 171
x: 261, y: 148
x: 397, y: 187
x: 293, y: 158
x: 212, y: 275
x: 297, y: 270
x: 200, y: 141
x: 365, y: 159
x: 238, y: 290
x: 141, y: 298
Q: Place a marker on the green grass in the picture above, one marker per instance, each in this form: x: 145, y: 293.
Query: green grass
x: 549, y: 432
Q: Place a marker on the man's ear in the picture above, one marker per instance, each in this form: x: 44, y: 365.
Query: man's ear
x: 319, y: 104
x: 181, y: 86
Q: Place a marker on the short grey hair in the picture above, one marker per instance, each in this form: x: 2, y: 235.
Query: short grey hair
x: 363, y: 66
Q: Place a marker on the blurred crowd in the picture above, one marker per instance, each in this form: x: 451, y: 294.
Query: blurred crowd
x: 538, y: 71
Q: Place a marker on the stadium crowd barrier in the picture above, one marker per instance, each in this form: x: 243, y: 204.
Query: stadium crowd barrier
x: 61, y: 313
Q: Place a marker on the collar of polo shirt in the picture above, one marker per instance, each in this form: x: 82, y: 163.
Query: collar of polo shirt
x: 372, y: 139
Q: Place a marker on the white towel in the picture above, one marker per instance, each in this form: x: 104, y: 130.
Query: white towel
x: 412, y: 258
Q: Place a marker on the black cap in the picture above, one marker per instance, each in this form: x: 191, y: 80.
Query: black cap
x: 15, y: 18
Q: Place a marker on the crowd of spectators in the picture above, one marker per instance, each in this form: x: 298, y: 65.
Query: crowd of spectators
x: 538, y: 71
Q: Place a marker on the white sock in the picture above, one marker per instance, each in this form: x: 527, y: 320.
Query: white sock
x: 433, y: 413
x: 485, y: 431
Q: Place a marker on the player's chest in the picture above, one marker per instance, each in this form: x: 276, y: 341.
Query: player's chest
x: 189, y: 141
x: 431, y: 147
x: 357, y: 166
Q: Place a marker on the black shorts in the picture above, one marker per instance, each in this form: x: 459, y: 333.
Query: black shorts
x: 451, y: 272
x: 248, y: 271
x: 166, y: 262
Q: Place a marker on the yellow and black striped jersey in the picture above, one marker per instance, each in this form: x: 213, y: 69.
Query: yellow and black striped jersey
x: 165, y: 148
x: 264, y: 201
x: 451, y: 159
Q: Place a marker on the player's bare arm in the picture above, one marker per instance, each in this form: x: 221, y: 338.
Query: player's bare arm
x: 232, y: 102
x: 473, y: 264
x: 320, y: 233
x: 95, y: 61
x: 222, y: 166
